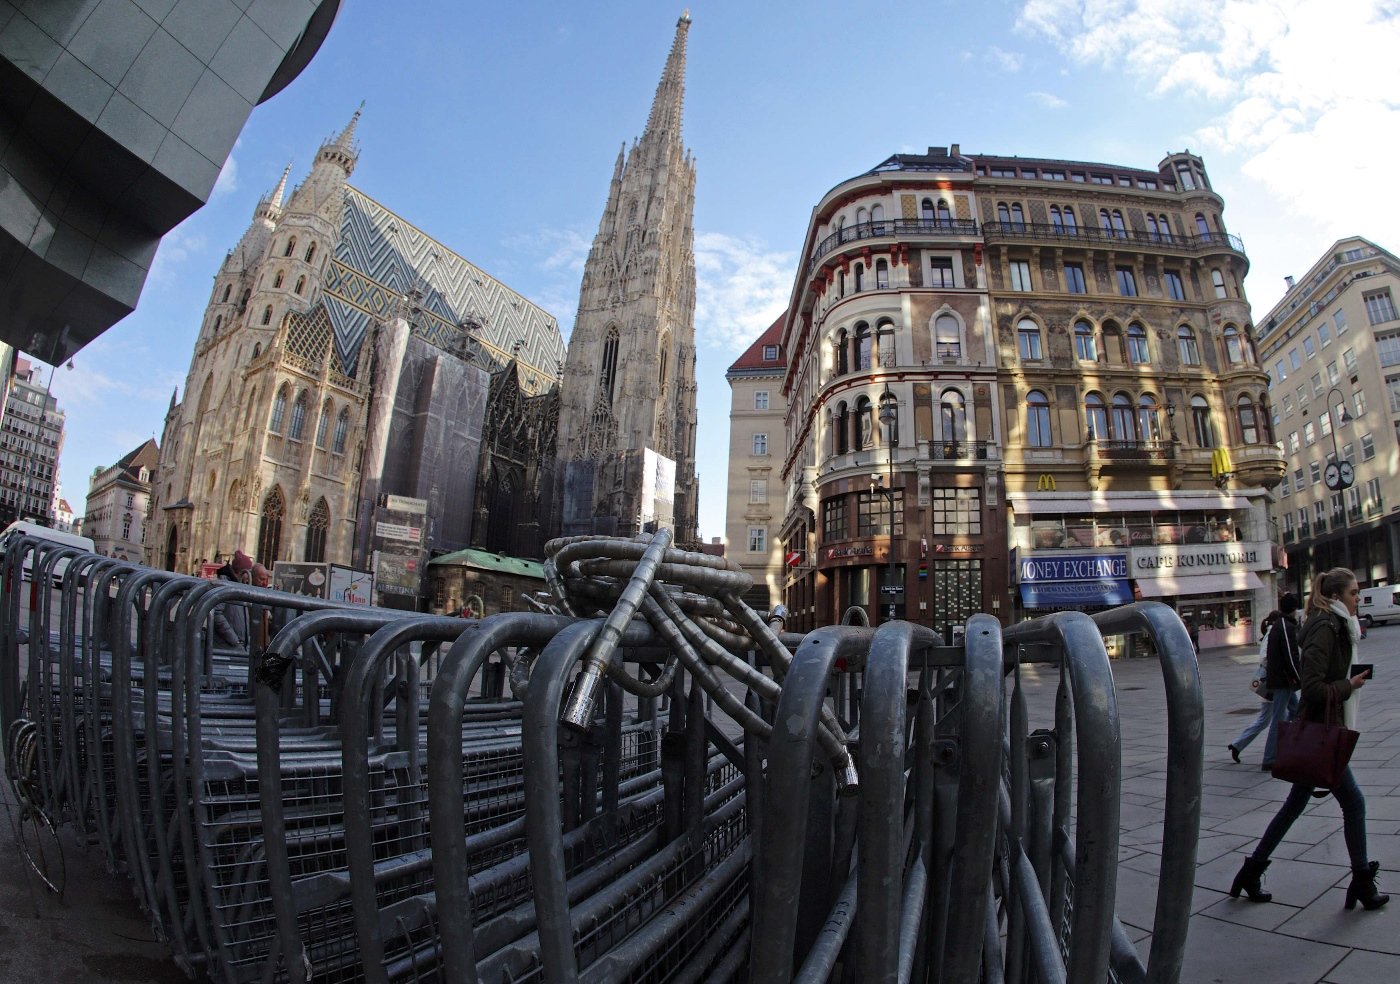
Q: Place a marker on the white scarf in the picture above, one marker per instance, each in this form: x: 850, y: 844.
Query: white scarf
x: 1351, y: 707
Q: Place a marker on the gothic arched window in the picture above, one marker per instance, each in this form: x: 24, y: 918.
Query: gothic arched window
x: 310, y: 252
x: 277, y: 280
x: 323, y: 424
x: 270, y: 528
x: 301, y: 285
x: 291, y: 245
x: 342, y: 424
x: 279, y: 410
x: 1123, y: 420
x: 607, y: 373
x: 267, y: 315
x: 298, y: 423
x: 317, y: 526
x: 952, y: 414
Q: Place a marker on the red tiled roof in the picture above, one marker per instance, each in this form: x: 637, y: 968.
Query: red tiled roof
x: 753, y: 355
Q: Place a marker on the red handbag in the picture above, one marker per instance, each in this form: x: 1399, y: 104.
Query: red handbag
x: 1314, y: 753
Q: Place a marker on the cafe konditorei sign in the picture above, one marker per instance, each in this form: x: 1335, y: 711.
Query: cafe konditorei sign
x: 1205, y: 558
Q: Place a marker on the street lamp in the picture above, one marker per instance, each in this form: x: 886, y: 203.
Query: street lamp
x: 888, y: 416
x: 1171, y: 419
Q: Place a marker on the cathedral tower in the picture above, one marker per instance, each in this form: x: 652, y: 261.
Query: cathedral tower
x: 629, y: 381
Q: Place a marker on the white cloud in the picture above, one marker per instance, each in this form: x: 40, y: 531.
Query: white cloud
x: 176, y: 247
x: 740, y: 287
x: 1296, y: 91
x: 1049, y: 100
x: 227, y: 181
x: 1007, y: 61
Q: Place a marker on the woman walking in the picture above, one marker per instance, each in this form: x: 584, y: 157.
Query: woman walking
x: 1280, y: 685
x: 1329, y: 639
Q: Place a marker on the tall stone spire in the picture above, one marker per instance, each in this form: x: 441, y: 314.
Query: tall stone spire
x: 666, y: 105
x: 627, y: 397
x: 275, y: 199
x: 343, y: 151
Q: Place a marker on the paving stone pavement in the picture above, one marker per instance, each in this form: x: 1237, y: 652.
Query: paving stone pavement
x: 96, y: 932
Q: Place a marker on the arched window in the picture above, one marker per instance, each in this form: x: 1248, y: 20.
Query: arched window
x: 218, y: 323
x: 257, y: 351
x: 1217, y: 280
x: 298, y: 423
x: 926, y: 210
x: 342, y: 423
x: 945, y: 214
x: 952, y: 416
x: 323, y: 425
x: 882, y: 274
x: 318, y: 524
x: 862, y: 216
x: 1028, y: 339
x: 863, y: 346
x: 1018, y: 218
x: 877, y: 218
x: 842, y: 356
x: 1122, y: 421
x: 1234, y: 350
x: 227, y: 289
x: 1004, y: 213
x: 1038, y: 433
x: 279, y: 410
x: 1056, y: 221
x: 277, y: 280
x: 270, y: 528
x: 291, y: 245
x: 860, y: 277
x: 840, y: 283
x: 1084, y: 347
x: 1201, y: 426
x: 301, y: 285
x: 843, y: 428
x: 865, y: 424
x: 1202, y: 226
x: 1163, y: 229
x: 1105, y: 221
x: 267, y: 315
x: 1071, y: 226
x: 1095, y: 418
x: 1119, y: 229
x: 1137, y: 344
x: 310, y: 252
x: 1186, y: 346
x: 665, y: 360
x: 947, y: 338
x: 1249, y: 421
x: 607, y: 373
x: 1149, y: 419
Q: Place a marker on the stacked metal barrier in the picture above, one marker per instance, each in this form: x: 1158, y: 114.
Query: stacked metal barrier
x: 650, y: 783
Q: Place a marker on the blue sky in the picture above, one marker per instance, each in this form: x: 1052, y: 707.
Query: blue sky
x: 494, y: 127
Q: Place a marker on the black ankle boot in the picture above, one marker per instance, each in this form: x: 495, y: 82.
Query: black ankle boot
x: 1248, y: 881
x: 1363, y: 888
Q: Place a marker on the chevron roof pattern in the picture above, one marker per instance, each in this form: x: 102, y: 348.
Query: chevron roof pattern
x: 383, y: 259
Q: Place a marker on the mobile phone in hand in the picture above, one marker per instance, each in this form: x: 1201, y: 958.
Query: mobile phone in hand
x: 1359, y: 668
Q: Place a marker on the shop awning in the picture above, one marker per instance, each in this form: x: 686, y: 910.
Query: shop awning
x: 1061, y: 504
x: 1058, y: 594
x: 1200, y: 584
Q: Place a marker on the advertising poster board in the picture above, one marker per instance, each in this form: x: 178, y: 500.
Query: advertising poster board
x: 399, y: 558
x: 350, y: 587
x: 302, y: 579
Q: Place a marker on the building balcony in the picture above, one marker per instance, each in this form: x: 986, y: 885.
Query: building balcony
x: 962, y: 451
x: 999, y: 232
x: 1137, y: 452
x: 890, y: 229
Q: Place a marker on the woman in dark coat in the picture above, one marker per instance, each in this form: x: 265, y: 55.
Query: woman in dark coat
x: 1329, y: 639
x: 1280, y: 689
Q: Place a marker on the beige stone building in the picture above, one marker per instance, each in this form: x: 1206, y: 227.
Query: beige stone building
x: 1021, y: 384
x: 757, y: 446
x: 118, y: 503
x: 1332, y: 349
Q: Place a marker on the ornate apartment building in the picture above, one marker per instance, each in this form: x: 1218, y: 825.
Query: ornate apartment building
x: 1332, y: 349
x: 627, y: 416
x: 754, y: 503
x: 31, y: 439
x: 346, y: 357
x: 118, y: 503
x: 1020, y: 384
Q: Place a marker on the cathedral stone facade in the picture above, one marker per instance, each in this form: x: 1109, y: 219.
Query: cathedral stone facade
x: 345, y: 359
x: 627, y: 419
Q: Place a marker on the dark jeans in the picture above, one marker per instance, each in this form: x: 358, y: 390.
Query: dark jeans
x: 1353, y: 820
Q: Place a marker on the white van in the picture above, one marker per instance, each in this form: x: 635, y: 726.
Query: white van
x: 22, y: 528
x: 1378, y: 605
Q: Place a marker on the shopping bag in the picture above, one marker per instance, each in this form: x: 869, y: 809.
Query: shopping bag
x: 1313, y: 753
x: 1258, y: 681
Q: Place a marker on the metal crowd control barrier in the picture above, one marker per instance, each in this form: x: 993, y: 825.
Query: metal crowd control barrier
x: 653, y: 783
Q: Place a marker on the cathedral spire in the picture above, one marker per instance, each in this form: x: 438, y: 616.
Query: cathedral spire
x: 275, y: 199
x: 342, y: 150
x: 665, y: 116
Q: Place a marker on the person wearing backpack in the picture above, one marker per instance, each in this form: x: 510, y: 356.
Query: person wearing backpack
x: 1279, y: 687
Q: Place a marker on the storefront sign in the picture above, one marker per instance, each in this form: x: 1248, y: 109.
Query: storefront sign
x: 957, y: 548
x: 858, y: 550
x: 1050, y: 581
x: 1205, y: 558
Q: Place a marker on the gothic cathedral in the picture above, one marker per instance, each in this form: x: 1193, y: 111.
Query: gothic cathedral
x: 627, y: 402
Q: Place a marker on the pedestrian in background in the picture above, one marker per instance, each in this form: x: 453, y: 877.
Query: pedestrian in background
x: 1329, y: 639
x: 1280, y: 688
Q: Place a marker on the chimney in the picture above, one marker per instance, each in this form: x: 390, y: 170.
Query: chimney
x: 955, y: 150
x: 1289, y: 282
